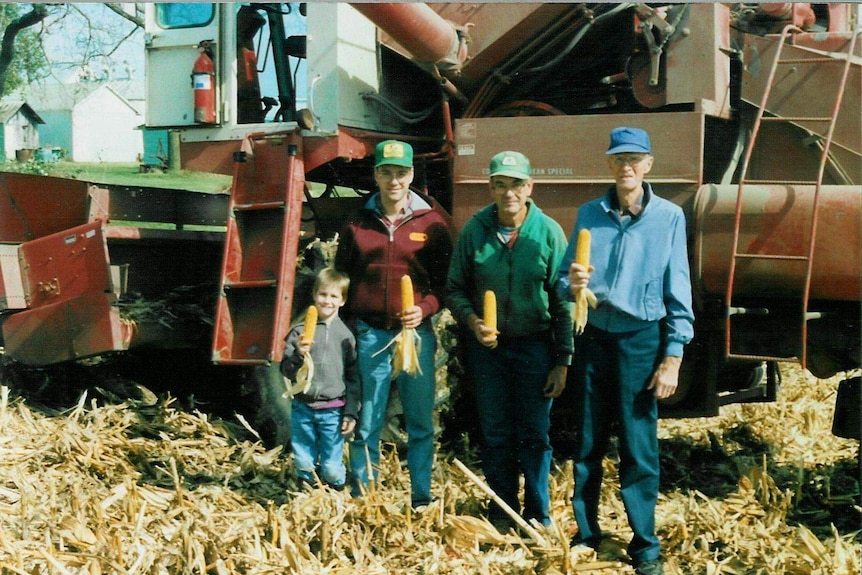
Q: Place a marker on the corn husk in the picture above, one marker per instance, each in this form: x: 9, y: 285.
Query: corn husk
x: 405, y: 356
x: 407, y: 343
x: 303, y: 378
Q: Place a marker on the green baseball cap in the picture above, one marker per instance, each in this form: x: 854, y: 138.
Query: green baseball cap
x: 393, y: 152
x: 511, y: 164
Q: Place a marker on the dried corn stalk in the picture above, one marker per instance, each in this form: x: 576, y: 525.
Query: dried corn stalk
x: 120, y: 489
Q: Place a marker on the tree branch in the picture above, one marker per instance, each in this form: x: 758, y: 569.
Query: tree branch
x: 7, y: 51
x: 118, y: 9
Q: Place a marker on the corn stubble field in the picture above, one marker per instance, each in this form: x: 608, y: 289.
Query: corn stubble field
x: 100, y: 487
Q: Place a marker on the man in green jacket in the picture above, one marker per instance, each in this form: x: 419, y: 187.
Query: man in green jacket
x: 513, y: 249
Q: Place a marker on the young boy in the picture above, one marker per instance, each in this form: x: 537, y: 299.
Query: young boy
x: 325, y: 414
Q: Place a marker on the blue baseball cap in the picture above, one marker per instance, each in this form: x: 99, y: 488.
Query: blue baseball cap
x: 629, y: 140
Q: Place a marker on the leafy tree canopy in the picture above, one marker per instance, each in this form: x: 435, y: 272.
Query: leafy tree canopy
x: 29, y: 62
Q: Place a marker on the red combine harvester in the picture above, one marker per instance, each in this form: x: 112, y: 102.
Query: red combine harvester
x: 754, y: 112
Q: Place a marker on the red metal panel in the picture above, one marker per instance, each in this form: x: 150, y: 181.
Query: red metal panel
x: 290, y: 250
x: 499, y: 31
x: 65, y: 265
x: 65, y: 330
x: 776, y: 220
x: 698, y: 70
x: 208, y: 156
x: 425, y: 35
x: 567, y: 154
x: 802, y: 91
x: 349, y: 143
x: 837, y: 41
x: 572, y: 148
x: 261, y: 250
x: 34, y: 206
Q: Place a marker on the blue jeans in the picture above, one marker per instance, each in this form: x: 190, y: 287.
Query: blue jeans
x: 612, y: 372
x: 514, y: 416
x: 417, y: 397
x: 317, y: 444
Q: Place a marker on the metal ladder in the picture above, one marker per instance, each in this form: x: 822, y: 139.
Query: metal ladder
x: 258, y: 270
x: 808, y: 258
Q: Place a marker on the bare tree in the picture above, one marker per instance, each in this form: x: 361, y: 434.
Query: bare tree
x: 95, y: 32
x: 136, y: 18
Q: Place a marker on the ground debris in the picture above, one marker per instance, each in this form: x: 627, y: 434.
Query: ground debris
x: 158, y: 489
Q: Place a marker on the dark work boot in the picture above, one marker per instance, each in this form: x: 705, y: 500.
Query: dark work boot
x: 650, y: 567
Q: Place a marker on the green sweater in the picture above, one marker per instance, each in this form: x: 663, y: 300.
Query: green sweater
x: 522, y: 277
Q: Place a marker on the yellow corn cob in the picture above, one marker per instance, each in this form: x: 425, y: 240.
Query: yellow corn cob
x: 406, y: 293
x: 305, y: 373
x: 489, y: 314
x: 585, y: 297
x: 310, y: 325
x: 490, y: 310
x: 582, y: 251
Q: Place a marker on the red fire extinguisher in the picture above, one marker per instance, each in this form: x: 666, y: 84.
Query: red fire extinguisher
x: 203, y: 84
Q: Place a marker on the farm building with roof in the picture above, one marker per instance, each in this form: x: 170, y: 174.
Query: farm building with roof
x: 89, y: 121
x: 18, y: 128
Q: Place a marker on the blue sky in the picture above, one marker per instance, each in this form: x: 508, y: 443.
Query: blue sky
x: 67, y: 41
x: 69, y: 28
x: 67, y: 32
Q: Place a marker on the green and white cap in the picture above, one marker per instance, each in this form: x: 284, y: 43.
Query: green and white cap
x: 511, y: 164
x: 393, y: 152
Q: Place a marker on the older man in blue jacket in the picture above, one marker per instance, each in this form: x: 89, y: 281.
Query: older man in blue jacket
x: 630, y: 352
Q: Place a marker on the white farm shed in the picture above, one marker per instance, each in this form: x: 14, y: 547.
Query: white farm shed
x: 18, y: 128
x: 90, y: 121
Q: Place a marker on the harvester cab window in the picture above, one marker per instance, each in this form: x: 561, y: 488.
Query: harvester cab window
x: 270, y: 52
x: 184, y: 14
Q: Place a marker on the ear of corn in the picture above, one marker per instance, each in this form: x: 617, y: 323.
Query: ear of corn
x: 408, y: 344
x: 305, y: 373
x: 406, y: 292
x: 310, y: 325
x: 582, y: 250
x: 489, y: 312
x: 585, y: 298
